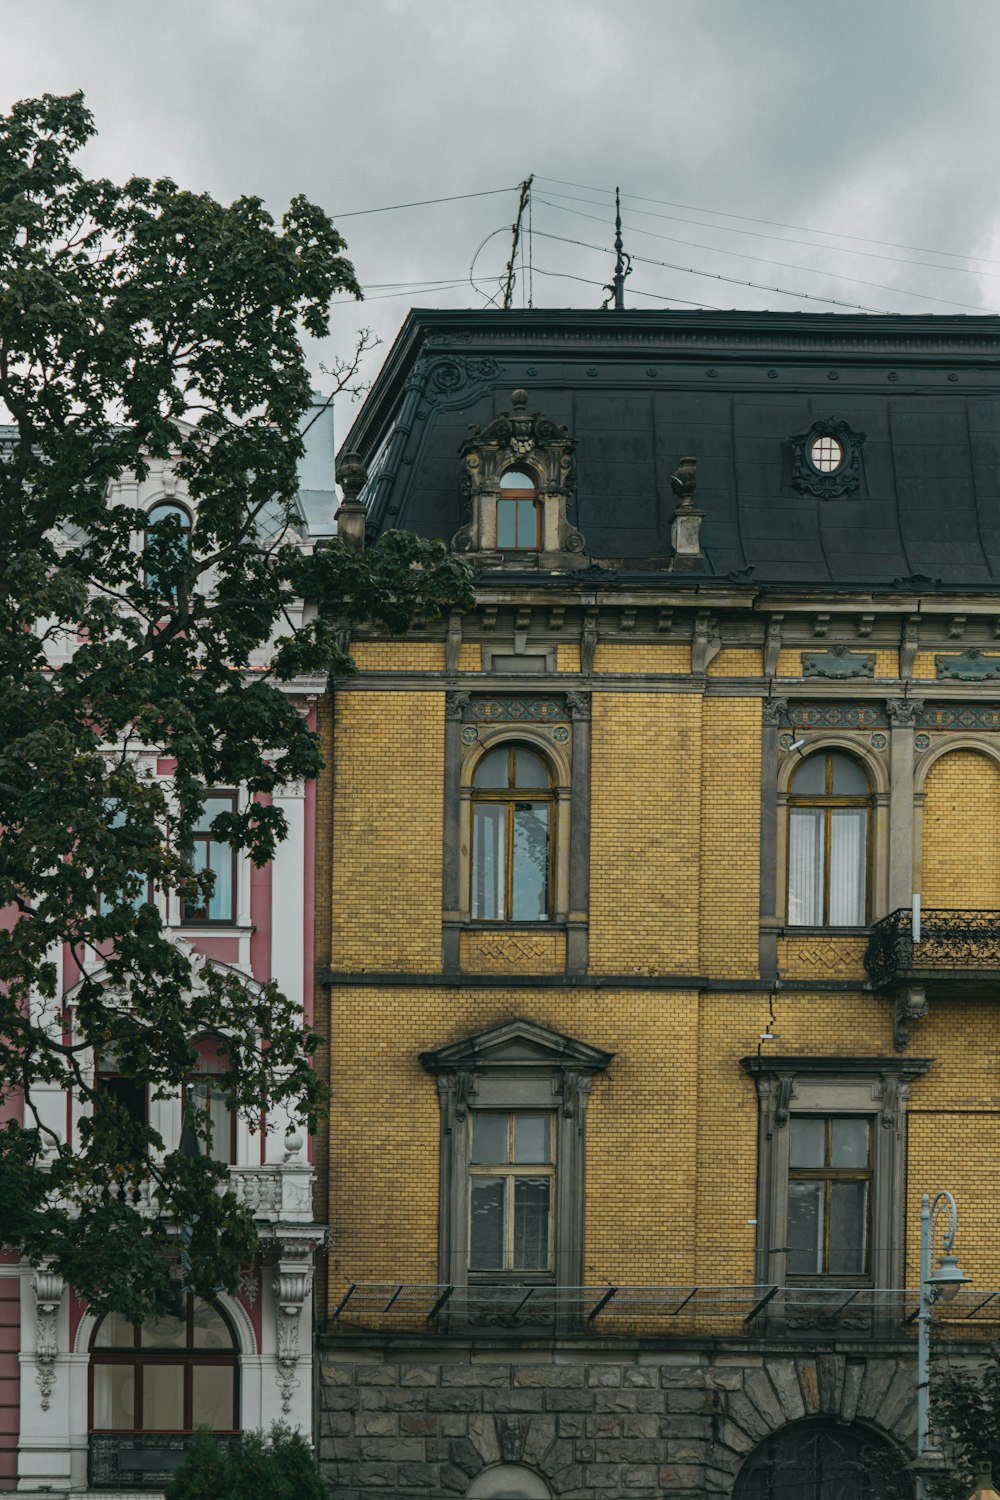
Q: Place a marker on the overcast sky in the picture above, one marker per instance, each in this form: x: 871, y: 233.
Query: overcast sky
x: 815, y: 120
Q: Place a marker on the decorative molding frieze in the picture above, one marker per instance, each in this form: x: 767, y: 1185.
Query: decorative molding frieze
x: 838, y: 662
x: 476, y: 710
x: 48, y: 1289
x: 968, y: 666
x: 958, y: 716
x: 804, y: 715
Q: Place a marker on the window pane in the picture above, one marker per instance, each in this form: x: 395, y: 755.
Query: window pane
x: 506, y: 523
x: 807, y: 1146
x: 489, y: 864
x: 211, y: 808
x: 489, y: 1139
x: 531, y: 1223
x: 212, y: 1397
x: 114, y: 1396
x: 210, y: 1330
x: 516, y: 479
x: 529, y: 769
x: 810, y: 778
x: 849, y: 1143
x: 847, y: 866
x: 492, y: 769
x: 848, y: 1228
x: 527, y: 523
x: 531, y: 861
x: 163, y: 1398
x: 849, y: 780
x: 115, y: 1333
x: 220, y: 860
x: 213, y: 1099
x: 126, y: 1095
x: 805, y: 867
x: 531, y: 1139
x: 805, y: 1228
x: 486, y: 1224
x: 164, y: 1333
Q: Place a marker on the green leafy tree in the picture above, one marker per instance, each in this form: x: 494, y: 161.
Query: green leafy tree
x: 965, y: 1409
x: 276, y: 1466
x: 143, y: 322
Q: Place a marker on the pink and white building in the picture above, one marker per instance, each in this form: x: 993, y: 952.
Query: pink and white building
x: 91, y: 1407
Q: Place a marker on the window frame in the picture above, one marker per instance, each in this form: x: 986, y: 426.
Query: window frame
x: 509, y: 796
x: 829, y: 802
x: 828, y: 1175
x: 192, y: 919
x: 878, y: 1087
x: 172, y: 506
x: 138, y: 1356
x: 516, y: 1067
x: 509, y: 1172
x: 517, y: 496
x: 202, y: 1077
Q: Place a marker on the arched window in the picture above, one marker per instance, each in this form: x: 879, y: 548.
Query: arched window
x: 829, y: 815
x: 823, y: 1460
x: 170, y: 1374
x: 162, y: 541
x: 512, y: 816
x: 519, y: 516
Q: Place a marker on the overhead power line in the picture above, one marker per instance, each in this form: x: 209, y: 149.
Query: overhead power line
x: 776, y: 223
x: 717, y: 276
x: 784, y: 239
x: 767, y: 261
x: 390, y: 208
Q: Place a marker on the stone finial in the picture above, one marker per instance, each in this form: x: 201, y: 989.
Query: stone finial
x: 519, y: 399
x: 352, y: 476
x: 685, y: 528
x: 684, y: 481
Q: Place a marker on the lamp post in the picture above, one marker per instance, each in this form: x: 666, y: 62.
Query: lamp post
x: 944, y: 1283
x: 984, y: 1488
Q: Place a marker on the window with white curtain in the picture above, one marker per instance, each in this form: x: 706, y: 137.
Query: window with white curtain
x: 829, y: 818
x: 512, y: 818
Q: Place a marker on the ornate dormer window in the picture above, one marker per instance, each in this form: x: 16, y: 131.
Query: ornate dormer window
x: 517, y: 475
x: 826, y: 460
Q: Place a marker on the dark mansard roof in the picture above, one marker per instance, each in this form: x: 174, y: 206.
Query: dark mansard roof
x: 919, y: 398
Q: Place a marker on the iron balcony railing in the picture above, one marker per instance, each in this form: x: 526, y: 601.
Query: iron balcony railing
x: 726, y: 1311
x: 950, y: 942
x: 141, y: 1460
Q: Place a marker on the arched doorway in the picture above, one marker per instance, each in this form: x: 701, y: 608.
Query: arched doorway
x: 820, y: 1459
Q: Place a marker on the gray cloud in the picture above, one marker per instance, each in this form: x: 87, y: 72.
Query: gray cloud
x: 868, y: 117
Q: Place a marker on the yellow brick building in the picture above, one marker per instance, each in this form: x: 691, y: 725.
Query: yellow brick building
x: 639, y: 1064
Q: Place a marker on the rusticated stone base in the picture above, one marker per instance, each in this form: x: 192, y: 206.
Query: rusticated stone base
x: 637, y: 1424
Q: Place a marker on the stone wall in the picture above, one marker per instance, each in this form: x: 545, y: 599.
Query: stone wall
x: 636, y: 1425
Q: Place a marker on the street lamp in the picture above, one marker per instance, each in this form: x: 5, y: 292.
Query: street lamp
x: 984, y: 1487
x: 944, y: 1283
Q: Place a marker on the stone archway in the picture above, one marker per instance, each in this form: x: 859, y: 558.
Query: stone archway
x: 820, y: 1459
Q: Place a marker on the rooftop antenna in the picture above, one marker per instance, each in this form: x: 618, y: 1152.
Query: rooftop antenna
x: 623, y: 264
x: 509, y: 277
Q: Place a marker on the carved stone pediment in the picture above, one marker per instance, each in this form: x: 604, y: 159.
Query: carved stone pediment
x: 532, y: 444
x: 517, y: 1044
